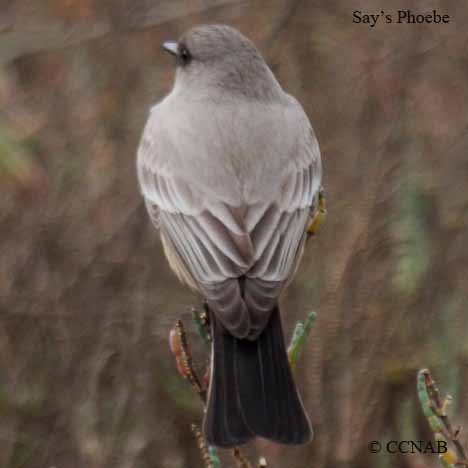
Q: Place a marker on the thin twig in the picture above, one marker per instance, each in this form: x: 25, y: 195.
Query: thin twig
x: 241, y: 461
x: 179, y: 346
x: 204, y: 450
x: 202, y: 322
x: 435, y: 409
x: 299, y: 338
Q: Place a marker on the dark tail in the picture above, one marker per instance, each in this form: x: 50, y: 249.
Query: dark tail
x: 252, y: 391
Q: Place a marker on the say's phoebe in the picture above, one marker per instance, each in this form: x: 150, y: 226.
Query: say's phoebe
x: 230, y: 170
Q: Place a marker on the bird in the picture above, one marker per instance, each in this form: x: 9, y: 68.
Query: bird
x: 230, y: 171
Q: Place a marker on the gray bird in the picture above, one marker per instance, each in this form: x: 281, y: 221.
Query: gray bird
x: 230, y: 170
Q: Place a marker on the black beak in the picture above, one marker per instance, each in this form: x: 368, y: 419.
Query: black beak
x: 172, y: 47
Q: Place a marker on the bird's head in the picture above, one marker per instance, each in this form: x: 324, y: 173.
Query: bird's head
x: 219, y: 58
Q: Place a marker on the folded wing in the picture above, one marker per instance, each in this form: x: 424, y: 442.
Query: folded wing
x: 239, y: 257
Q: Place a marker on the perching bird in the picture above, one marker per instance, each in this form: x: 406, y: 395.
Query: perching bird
x: 230, y: 171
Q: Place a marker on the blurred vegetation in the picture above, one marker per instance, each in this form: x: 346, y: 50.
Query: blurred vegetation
x: 87, y: 299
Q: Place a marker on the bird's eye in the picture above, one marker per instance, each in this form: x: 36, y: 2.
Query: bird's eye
x: 184, y: 56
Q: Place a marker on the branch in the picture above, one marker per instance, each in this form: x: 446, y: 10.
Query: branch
x: 299, y: 338
x: 435, y: 410
x: 179, y: 347
x: 209, y: 457
x: 242, y: 462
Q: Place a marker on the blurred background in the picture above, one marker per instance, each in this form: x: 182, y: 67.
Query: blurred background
x: 86, y: 296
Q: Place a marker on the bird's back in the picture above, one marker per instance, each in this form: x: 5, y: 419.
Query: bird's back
x: 236, y: 151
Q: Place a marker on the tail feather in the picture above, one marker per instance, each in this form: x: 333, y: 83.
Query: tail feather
x: 252, y: 391
x: 224, y: 425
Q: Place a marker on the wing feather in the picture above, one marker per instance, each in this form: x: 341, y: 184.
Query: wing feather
x: 211, y: 244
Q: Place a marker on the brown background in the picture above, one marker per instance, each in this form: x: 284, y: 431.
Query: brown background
x: 87, y: 299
